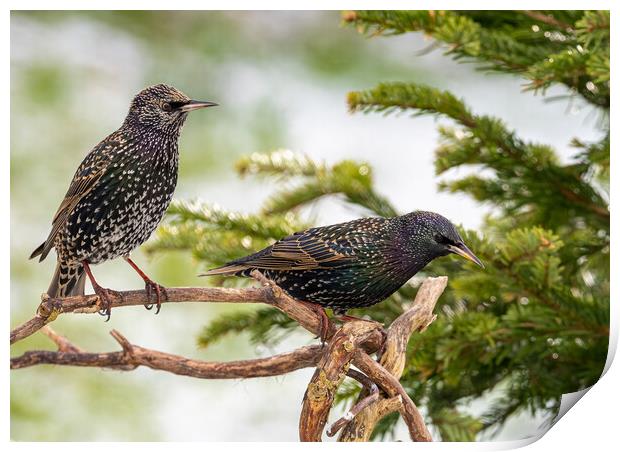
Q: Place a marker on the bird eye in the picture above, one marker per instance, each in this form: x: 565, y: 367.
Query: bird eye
x: 166, y: 107
x: 441, y: 239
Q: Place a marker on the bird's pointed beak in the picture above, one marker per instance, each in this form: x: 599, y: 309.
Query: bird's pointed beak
x: 462, y: 250
x: 196, y: 104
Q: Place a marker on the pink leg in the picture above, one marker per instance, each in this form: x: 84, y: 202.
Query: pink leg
x: 150, y: 286
x: 323, y: 319
x: 103, y: 293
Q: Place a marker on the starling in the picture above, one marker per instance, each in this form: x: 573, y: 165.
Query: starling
x: 119, y: 194
x: 354, y: 264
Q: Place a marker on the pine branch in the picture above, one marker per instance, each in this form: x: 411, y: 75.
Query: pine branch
x: 351, y: 179
x: 545, y: 50
x: 456, y: 426
x: 464, y: 37
x: 548, y: 19
x: 488, y: 142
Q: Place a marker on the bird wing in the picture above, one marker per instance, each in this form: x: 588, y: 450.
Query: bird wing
x: 307, y: 250
x: 303, y: 251
x: 81, y: 185
x: 85, y: 178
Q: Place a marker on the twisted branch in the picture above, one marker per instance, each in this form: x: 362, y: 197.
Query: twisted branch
x: 390, y: 384
x: 344, y: 349
x: 270, y: 294
x: 133, y: 356
x: 330, y: 371
x: 352, y: 343
x: 369, y: 386
x: 391, y: 365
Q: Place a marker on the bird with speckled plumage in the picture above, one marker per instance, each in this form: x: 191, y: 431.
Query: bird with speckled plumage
x: 355, y: 264
x: 119, y: 194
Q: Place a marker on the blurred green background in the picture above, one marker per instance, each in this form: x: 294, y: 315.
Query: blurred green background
x: 281, y: 80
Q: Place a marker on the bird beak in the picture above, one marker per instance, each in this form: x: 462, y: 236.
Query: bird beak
x: 462, y: 250
x: 196, y: 104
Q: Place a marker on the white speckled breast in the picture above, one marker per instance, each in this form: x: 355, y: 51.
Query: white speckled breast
x: 126, y: 205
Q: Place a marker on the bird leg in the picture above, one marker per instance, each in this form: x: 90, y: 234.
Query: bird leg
x: 103, y: 293
x: 149, y: 286
x: 323, y: 319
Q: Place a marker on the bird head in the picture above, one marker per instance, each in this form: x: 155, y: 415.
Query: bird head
x: 434, y: 235
x: 163, y: 108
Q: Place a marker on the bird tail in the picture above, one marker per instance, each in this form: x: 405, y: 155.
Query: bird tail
x: 67, y: 281
x: 38, y: 251
x: 43, y: 249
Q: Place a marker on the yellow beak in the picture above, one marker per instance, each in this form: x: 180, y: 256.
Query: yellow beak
x: 462, y: 250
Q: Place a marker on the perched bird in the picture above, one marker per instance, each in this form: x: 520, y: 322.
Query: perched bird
x: 354, y: 264
x: 119, y: 194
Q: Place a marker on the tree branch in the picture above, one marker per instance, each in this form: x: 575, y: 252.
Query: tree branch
x: 270, y: 294
x: 330, y: 372
x: 63, y: 344
x: 389, y: 383
x: 548, y: 19
x: 133, y: 356
x: 392, y: 362
x: 352, y: 343
x: 370, y: 387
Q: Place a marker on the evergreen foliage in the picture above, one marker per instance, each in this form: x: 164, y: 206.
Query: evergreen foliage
x: 535, y: 324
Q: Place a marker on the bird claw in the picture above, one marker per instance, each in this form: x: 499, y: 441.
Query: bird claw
x: 324, y: 323
x: 104, y: 299
x: 151, y: 286
x: 324, y: 328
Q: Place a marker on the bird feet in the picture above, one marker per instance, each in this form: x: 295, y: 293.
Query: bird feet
x: 150, y: 287
x: 105, y: 299
x: 324, y: 323
x: 103, y: 293
x: 324, y: 328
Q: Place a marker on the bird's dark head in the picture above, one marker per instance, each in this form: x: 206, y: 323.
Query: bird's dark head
x: 433, y: 235
x: 163, y: 108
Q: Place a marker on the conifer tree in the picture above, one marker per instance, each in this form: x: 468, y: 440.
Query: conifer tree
x: 535, y: 324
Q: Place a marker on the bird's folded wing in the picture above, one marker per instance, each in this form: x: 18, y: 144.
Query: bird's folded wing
x: 85, y: 178
x: 304, y: 251
x: 80, y: 186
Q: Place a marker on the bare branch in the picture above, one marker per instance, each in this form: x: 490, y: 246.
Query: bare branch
x: 329, y: 373
x: 351, y: 343
x: 370, y: 387
x: 27, y: 328
x: 380, y: 408
x: 416, y: 318
x: 389, y: 383
x: 133, y: 356
x: 270, y: 294
x: 63, y: 344
x: 393, y: 358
